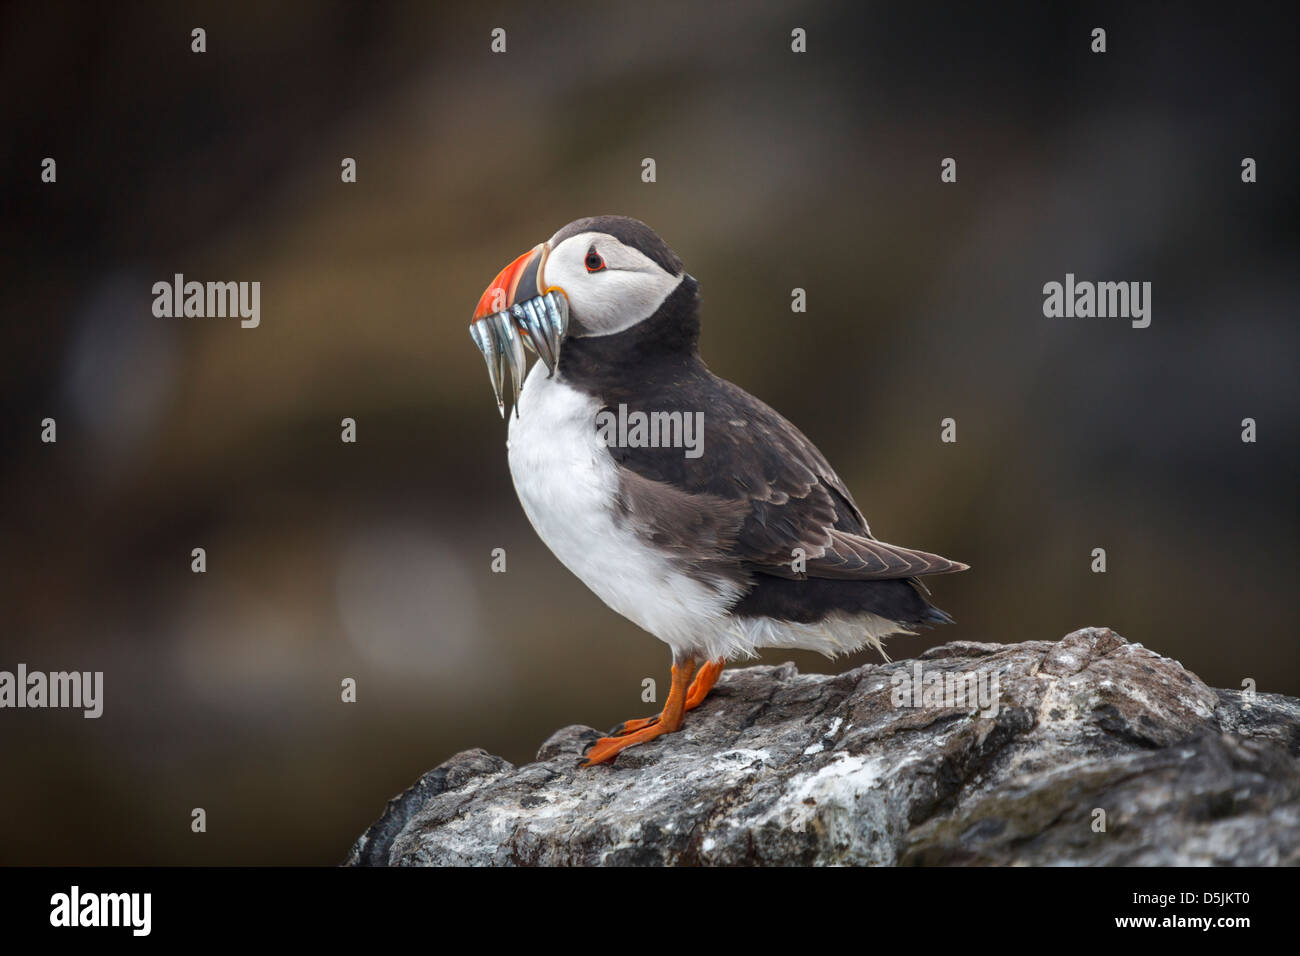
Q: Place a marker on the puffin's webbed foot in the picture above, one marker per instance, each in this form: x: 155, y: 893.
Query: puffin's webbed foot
x: 705, y: 678
x: 607, y: 748
x: 643, y: 729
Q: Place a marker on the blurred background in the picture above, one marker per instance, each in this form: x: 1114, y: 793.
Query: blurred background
x: 775, y: 170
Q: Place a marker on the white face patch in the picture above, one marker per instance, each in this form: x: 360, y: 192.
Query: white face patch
x: 628, y: 290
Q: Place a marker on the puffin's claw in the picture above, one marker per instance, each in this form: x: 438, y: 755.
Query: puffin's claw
x: 633, y: 725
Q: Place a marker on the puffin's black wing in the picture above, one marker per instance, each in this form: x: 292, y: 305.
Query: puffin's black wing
x: 760, y: 494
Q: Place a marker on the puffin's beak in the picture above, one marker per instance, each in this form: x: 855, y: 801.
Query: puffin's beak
x: 516, y: 310
x: 499, y: 296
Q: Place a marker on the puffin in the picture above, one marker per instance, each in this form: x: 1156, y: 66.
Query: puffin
x: 745, y: 539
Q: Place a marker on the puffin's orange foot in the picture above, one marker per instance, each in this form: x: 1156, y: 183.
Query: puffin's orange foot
x: 635, y: 724
x: 648, y: 728
x: 607, y: 748
x: 704, y: 680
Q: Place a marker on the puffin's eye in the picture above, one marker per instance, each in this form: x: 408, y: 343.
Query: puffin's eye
x: 594, y: 262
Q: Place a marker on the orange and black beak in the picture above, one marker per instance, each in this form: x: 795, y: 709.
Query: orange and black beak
x: 517, y: 310
x: 518, y: 278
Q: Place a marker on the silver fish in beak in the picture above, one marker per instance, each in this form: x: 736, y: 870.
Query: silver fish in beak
x: 508, y: 319
x: 539, y: 323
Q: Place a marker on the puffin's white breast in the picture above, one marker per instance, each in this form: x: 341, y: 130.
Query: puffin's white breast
x: 568, y: 485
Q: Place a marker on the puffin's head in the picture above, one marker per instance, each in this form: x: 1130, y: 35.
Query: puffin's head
x: 613, y: 272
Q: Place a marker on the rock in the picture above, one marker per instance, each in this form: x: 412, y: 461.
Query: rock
x: 1090, y: 750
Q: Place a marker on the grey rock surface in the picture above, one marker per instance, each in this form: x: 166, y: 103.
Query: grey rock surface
x: 778, y: 767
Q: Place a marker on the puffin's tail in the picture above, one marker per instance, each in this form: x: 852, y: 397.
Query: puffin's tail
x: 934, y: 615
